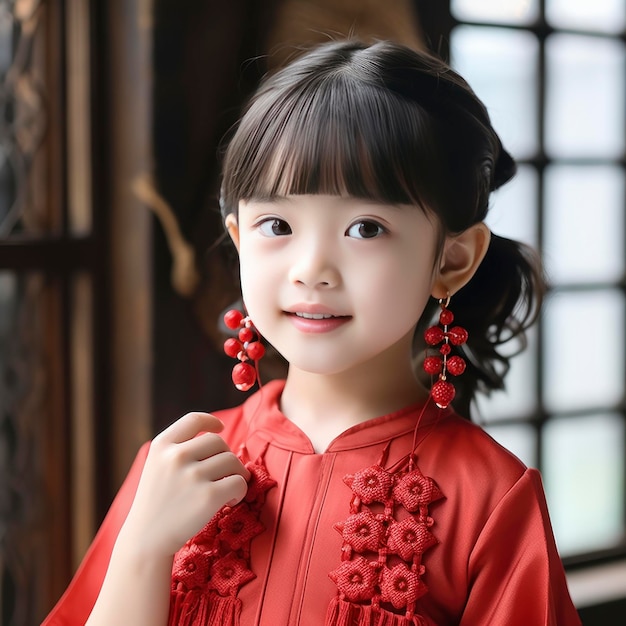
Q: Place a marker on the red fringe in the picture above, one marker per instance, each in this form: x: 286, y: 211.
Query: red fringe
x: 343, y: 613
x: 202, y: 608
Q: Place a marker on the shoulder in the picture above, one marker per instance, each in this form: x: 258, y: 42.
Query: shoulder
x: 478, y: 478
x: 468, y: 462
x: 471, y: 442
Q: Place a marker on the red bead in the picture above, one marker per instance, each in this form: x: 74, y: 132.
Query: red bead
x: 446, y: 317
x: 433, y: 335
x: 255, y: 350
x: 233, y: 318
x: 244, y: 376
x: 457, y: 336
x: 232, y: 347
x: 455, y: 365
x: 432, y: 364
x: 246, y: 334
x: 445, y: 349
x: 442, y: 393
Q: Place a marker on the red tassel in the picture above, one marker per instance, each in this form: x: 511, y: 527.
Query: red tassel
x: 203, y: 608
x: 343, y: 613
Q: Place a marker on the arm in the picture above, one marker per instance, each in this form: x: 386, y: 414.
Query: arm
x: 516, y: 575
x: 74, y: 606
x: 186, y: 479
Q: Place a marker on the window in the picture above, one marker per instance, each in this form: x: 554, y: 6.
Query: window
x: 552, y: 75
x: 53, y: 305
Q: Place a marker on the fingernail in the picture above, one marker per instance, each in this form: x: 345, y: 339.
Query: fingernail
x: 232, y: 502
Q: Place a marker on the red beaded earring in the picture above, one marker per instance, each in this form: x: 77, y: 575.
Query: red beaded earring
x: 246, y: 348
x: 443, y: 391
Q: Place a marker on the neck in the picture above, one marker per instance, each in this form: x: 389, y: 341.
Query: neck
x: 325, y: 405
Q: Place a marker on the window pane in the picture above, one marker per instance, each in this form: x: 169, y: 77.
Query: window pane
x: 583, y: 470
x: 584, y: 350
x: 8, y: 187
x: 501, y: 66
x: 79, y: 186
x: 584, y: 229
x: 520, y: 439
x: 7, y: 25
x: 8, y: 307
x: 82, y: 414
x: 513, y: 211
x: 510, y: 12
x: 602, y: 15
x: 585, y: 96
x: 8, y: 191
x: 519, y: 398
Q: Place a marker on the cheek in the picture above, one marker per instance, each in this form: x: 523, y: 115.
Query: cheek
x: 397, y: 293
x: 256, y: 283
x: 250, y: 281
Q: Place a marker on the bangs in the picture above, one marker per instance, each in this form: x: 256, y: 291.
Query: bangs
x: 332, y: 135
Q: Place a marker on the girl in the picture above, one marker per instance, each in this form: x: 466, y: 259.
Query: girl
x: 350, y: 494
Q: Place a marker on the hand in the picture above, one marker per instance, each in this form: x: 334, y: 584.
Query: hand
x: 187, y: 478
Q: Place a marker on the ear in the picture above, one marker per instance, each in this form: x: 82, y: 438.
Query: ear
x: 461, y: 256
x: 233, y: 229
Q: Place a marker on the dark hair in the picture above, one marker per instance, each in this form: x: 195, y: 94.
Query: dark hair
x: 387, y: 123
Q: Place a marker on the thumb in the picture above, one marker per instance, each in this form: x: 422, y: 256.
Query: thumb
x: 229, y: 490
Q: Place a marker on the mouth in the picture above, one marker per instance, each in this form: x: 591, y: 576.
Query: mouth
x: 315, y: 316
x: 316, y: 321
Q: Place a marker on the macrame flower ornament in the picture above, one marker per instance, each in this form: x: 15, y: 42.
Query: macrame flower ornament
x: 208, y: 534
x: 230, y: 573
x: 362, y: 531
x: 415, y: 490
x: 355, y: 579
x: 191, y: 567
x: 380, y: 577
x: 260, y: 482
x: 409, y: 537
x: 209, y: 571
x: 239, y: 527
x: 401, y: 586
x: 372, y: 484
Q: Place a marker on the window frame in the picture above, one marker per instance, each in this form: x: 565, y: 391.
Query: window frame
x: 439, y: 22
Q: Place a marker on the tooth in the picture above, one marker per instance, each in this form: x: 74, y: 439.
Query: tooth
x: 314, y: 316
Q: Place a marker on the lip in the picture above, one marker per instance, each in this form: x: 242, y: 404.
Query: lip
x: 308, y: 325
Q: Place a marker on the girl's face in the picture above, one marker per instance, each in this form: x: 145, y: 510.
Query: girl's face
x: 334, y: 283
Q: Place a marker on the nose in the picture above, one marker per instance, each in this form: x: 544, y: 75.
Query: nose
x: 315, y: 266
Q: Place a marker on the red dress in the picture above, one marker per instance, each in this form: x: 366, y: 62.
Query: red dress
x: 364, y: 534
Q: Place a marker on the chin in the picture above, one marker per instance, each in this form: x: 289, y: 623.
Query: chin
x: 322, y: 368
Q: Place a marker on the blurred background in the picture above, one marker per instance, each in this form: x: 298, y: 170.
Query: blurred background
x: 113, y: 274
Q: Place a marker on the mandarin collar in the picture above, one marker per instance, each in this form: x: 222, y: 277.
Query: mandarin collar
x: 267, y: 422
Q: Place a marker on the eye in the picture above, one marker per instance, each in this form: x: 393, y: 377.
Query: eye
x: 365, y: 229
x: 274, y: 227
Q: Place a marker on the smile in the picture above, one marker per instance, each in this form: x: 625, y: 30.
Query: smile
x: 317, y: 323
x: 314, y: 316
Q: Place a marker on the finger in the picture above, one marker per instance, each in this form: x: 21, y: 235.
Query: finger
x: 188, y: 426
x: 229, y: 490
x: 203, y: 447
x: 220, y: 466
